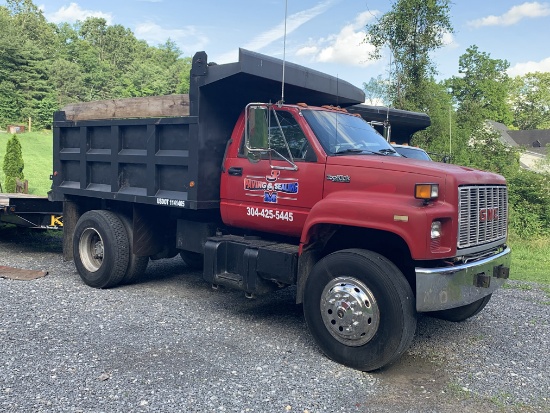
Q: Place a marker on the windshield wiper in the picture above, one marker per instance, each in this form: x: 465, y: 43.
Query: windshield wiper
x: 348, y: 150
x: 358, y: 151
x: 382, y: 152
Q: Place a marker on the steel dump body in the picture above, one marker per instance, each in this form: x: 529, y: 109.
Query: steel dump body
x: 176, y: 161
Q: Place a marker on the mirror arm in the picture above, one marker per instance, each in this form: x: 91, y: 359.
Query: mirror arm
x: 291, y: 161
x: 294, y: 167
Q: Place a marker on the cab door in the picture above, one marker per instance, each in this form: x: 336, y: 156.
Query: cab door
x: 274, y: 187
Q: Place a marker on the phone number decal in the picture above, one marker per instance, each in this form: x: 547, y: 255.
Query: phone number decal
x: 270, y: 214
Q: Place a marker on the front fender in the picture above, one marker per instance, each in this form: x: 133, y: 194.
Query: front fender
x: 400, y: 215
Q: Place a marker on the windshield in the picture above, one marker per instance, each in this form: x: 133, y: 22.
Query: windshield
x: 341, y: 133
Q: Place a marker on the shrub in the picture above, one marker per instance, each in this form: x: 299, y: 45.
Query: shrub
x: 13, y: 164
x: 529, y: 199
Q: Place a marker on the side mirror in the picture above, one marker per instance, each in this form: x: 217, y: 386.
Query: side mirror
x: 257, y: 128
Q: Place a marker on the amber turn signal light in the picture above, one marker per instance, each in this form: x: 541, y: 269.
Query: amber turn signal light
x: 426, y: 191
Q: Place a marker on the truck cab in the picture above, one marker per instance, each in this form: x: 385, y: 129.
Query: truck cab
x: 328, y: 178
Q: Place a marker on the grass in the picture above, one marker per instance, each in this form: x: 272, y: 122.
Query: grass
x: 530, y: 257
x: 37, y: 155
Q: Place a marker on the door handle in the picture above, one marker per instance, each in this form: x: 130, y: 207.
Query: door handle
x: 235, y: 171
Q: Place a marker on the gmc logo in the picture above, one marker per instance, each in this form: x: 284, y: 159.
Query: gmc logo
x: 488, y: 214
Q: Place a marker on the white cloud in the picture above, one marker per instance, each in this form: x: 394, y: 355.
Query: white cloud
x: 521, y: 69
x: 73, y: 12
x: 346, y: 47
x: 293, y: 22
x: 514, y: 15
x: 307, y: 50
x: 188, y: 38
x: 449, y: 41
x: 374, y: 102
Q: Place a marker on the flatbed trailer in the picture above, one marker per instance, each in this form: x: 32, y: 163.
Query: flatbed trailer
x: 31, y: 211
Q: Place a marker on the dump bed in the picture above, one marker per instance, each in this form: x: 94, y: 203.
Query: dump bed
x: 129, y: 150
x: 403, y: 122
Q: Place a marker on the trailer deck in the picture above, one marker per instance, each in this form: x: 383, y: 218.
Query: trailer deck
x: 31, y: 211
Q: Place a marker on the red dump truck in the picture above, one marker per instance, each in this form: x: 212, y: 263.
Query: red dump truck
x: 263, y: 194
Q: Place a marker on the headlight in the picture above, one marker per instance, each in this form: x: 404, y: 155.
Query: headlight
x: 436, y: 230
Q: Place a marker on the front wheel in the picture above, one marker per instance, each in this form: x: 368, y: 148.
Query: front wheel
x: 360, y: 309
x: 461, y: 313
x: 101, y: 249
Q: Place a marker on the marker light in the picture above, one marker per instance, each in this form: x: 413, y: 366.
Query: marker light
x: 426, y: 191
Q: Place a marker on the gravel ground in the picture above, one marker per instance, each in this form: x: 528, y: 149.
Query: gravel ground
x: 170, y: 344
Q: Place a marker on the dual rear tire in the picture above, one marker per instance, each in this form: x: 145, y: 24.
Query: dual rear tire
x: 102, y: 249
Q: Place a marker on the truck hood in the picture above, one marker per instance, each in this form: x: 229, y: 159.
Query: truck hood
x: 459, y: 175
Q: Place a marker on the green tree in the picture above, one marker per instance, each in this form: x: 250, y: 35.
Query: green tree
x: 411, y: 31
x: 530, y: 101
x: 376, y: 91
x: 94, y: 31
x: 13, y: 164
x: 481, y: 90
x: 68, y: 81
x: 43, y: 67
x: 485, y: 150
x: 34, y: 82
x: 29, y: 20
x: 26, y: 47
x: 183, y: 67
x: 529, y: 198
x: 481, y: 94
x: 441, y: 137
x: 11, y: 59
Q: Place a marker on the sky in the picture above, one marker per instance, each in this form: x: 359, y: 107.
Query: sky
x: 326, y: 35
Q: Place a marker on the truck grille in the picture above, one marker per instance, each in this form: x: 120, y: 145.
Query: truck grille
x: 483, y: 214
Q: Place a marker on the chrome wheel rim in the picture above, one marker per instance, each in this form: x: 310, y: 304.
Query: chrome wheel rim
x: 349, y: 311
x: 90, y: 248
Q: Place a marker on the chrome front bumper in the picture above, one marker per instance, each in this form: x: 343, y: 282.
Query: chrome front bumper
x: 451, y: 287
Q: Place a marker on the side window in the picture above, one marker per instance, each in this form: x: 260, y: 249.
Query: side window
x: 295, y: 138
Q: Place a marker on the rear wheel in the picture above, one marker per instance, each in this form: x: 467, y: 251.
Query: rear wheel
x: 100, y: 249
x: 136, y: 264
x: 461, y: 313
x: 360, y: 309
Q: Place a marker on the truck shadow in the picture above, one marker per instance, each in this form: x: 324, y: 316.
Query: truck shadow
x: 278, y: 308
x: 180, y: 278
x: 280, y: 311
